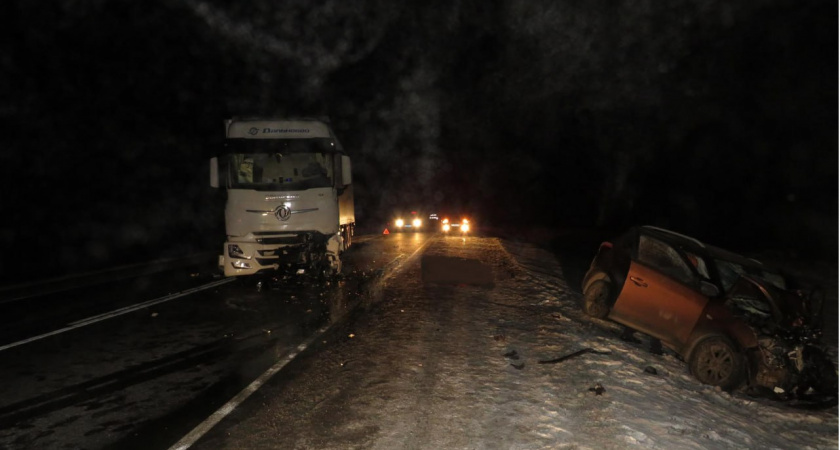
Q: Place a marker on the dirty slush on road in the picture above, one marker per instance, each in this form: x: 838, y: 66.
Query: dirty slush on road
x: 467, y: 347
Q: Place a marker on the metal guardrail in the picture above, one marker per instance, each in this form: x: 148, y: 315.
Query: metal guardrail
x: 50, y: 286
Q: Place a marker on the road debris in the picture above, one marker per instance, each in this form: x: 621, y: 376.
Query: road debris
x: 598, y: 389
x: 575, y: 354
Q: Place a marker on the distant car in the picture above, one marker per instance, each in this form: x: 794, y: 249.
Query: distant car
x: 410, y: 221
x: 455, y: 221
x: 461, y: 225
x: 732, y: 318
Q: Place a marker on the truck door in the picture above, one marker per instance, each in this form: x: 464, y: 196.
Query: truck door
x: 658, y: 297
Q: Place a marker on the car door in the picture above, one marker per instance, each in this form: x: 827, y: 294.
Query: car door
x: 658, y: 297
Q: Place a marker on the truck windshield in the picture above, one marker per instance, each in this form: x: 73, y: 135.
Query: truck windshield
x: 280, y: 165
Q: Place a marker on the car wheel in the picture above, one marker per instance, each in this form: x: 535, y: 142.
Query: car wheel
x: 717, y: 362
x: 595, y: 299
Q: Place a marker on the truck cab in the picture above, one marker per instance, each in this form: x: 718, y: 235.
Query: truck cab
x: 289, y: 204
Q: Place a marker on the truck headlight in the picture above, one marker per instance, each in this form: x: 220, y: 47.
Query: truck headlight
x: 465, y: 227
x: 399, y: 223
x: 241, y: 265
x: 235, y: 252
x: 416, y: 223
x: 445, y: 227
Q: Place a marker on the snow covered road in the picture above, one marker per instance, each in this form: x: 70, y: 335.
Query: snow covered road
x: 456, y: 365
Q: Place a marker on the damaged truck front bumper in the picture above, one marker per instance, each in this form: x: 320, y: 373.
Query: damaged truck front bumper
x: 300, y: 252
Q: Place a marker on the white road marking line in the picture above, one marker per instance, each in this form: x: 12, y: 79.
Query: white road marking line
x: 393, y: 271
x: 201, y: 429
x: 193, y: 436
x: 118, y: 312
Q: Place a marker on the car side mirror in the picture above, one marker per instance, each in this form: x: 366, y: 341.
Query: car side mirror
x: 709, y: 289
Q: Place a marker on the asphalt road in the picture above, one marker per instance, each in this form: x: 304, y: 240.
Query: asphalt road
x: 140, y: 362
x: 166, y: 358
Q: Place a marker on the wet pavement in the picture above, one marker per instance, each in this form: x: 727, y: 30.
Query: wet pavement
x: 144, y: 378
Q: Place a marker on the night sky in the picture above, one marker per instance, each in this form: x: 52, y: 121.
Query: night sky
x: 713, y: 118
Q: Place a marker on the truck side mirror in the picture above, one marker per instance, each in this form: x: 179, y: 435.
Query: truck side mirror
x: 346, y: 172
x: 214, y: 172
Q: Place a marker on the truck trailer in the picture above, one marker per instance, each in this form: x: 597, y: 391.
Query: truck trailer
x: 289, y: 204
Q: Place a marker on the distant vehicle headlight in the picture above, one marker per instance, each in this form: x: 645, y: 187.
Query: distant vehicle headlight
x: 399, y: 223
x: 416, y: 223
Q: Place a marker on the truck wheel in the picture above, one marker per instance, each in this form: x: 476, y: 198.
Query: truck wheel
x: 717, y: 362
x: 595, y: 299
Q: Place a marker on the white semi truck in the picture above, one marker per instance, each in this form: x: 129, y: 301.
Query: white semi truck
x: 289, y: 197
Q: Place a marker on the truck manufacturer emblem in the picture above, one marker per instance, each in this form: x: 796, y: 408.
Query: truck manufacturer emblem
x: 253, y: 131
x: 283, y: 212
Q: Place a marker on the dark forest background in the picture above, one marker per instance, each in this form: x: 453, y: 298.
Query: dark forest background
x: 713, y: 118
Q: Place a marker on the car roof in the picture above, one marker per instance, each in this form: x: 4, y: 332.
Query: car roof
x: 719, y: 253
x: 711, y: 250
x: 673, y: 236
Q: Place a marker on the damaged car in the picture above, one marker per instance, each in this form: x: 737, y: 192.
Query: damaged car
x: 735, y: 321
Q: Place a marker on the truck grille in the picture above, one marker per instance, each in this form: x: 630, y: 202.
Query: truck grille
x: 268, y: 238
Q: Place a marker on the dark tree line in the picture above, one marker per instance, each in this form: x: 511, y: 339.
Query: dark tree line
x: 713, y: 118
